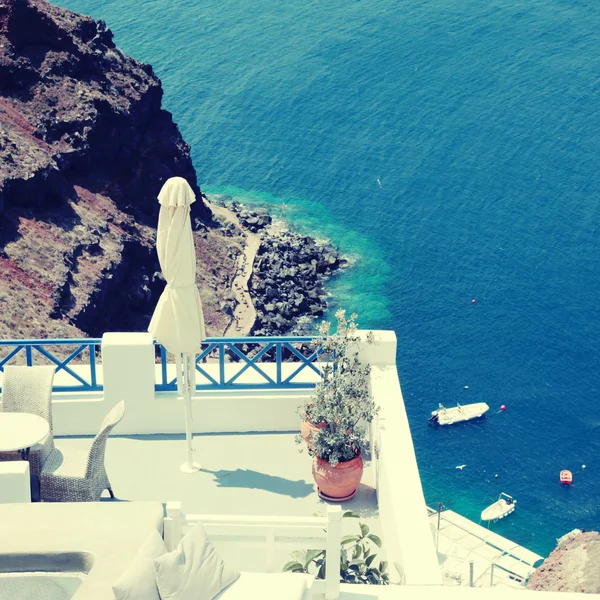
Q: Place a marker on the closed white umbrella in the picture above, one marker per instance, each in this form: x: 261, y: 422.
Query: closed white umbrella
x: 178, y: 322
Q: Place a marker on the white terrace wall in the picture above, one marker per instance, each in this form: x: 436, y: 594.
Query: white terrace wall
x: 129, y: 372
x: 402, y: 510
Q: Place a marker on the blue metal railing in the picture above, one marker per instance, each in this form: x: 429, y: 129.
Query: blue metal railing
x: 279, y: 346
x: 276, y: 349
x: 35, y: 348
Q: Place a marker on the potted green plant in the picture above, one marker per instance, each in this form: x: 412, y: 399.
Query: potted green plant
x: 338, y: 410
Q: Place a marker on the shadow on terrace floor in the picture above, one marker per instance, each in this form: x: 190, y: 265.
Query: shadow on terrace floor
x: 248, y: 478
x: 256, y: 473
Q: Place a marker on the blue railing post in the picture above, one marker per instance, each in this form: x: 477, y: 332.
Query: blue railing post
x: 92, y: 351
x: 222, y: 364
x: 163, y: 365
x: 278, y: 360
x: 29, y: 356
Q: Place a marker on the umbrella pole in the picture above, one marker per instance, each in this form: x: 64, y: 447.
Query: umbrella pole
x: 188, y: 384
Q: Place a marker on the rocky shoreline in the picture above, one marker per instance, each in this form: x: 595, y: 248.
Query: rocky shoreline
x: 290, y: 272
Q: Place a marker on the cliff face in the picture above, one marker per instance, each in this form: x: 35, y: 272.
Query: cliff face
x: 572, y: 566
x: 76, y: 111
x: 84, y: 150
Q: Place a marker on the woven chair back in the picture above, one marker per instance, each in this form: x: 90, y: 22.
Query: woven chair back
x: 28, y: 390
x: 95, y: 462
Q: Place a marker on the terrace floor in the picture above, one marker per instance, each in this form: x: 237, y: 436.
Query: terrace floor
x: 241, y: 474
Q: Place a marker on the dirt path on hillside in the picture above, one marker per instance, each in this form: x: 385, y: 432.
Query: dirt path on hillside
x: 245, y: 313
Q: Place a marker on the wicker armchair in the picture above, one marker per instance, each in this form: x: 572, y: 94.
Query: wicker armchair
x: 29, y: 390
x: 80, y: 477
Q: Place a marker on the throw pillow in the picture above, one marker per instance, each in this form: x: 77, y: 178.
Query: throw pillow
x: 194, y: 570
x: 139, y: 582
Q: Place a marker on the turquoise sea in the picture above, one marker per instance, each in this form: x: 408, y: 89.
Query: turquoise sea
x: 452, y: 148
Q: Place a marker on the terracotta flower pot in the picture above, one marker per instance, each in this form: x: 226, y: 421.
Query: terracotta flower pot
x: 337, y: 483
x: 306, y: 430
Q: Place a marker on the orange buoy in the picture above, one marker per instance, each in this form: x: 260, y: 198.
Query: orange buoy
x: 566, y: 477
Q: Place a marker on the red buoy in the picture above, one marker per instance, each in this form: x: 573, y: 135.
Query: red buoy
x: 503, y: 407
x: 566, y: 477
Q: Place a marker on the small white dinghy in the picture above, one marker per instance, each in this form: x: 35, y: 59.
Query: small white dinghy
x: 502, y: 507
x: 458, y: 413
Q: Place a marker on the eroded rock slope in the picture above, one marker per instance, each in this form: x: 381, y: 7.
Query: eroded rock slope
x: 84, y: 149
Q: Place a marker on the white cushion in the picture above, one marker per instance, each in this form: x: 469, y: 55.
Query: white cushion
x: 267, y: 586
x: 139, y: 582
x: 194, y: 570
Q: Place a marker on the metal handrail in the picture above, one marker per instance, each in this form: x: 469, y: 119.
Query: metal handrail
x: 41, y: 347
x: 277, y: 344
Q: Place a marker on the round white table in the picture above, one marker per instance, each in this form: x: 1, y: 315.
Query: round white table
x: 20, y: 431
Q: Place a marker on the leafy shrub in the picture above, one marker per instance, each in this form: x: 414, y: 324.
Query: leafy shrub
x: 357, y: 559
x: 341, y: 403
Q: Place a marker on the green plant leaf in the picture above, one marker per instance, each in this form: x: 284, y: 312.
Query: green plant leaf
x: 369, y: 559
x: 350, y: 538
x: 357, y: 552
x: 364, y: 529
x: 350, y: 514
x: 375, y: 539
x: 372, y: 578
x: 310, y: 556
x: 298, y: 555
x: 383, y: 566
x: 293, y: 566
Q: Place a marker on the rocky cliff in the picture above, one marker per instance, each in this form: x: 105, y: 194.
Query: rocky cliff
x: 84, y: 149
x: 572, y: 566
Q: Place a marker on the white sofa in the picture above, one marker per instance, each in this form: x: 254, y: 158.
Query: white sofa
x: 111, y: 532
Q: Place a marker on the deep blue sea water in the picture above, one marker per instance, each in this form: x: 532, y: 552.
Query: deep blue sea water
x: 453, y: 147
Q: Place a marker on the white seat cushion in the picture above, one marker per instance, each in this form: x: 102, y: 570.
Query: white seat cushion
x: 194, y: 570
x: 267, y: 586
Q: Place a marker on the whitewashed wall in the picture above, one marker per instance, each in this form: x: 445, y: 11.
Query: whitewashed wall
x: 402, y: 509
x: 129, y: 372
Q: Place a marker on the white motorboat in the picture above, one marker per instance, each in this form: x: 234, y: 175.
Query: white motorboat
x: 458, y: 413
x: 502, y: 507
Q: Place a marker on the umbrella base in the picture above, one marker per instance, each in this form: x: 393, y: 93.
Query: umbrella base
x: 187, y: 468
